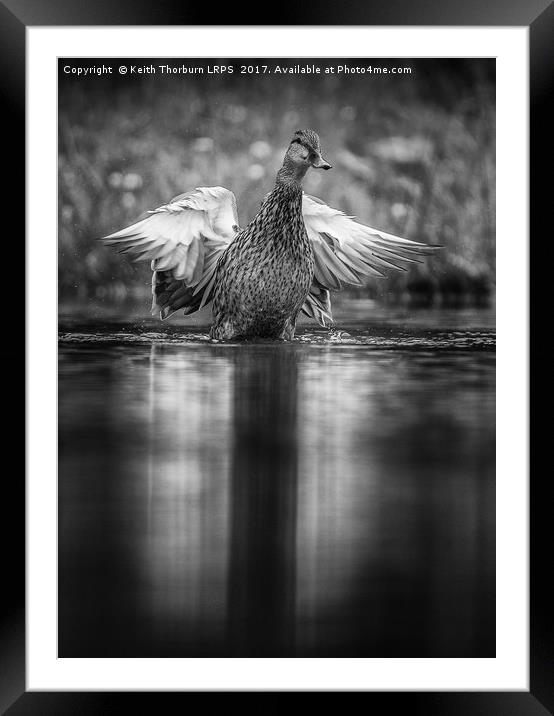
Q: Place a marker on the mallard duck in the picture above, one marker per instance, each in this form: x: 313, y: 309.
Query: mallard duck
x: 258, y: 279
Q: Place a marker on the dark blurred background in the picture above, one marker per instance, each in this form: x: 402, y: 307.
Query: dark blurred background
x: 413, y: 154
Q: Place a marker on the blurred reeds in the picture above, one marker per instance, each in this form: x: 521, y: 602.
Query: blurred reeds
x: 412, y: 154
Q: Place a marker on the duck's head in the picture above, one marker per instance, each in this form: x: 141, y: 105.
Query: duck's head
x: 304, y: 152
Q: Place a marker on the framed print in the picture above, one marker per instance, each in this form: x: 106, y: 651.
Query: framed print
x: 303, y: 469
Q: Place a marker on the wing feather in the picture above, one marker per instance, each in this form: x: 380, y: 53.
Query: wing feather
x: 183, y: 240
x: 345, y: 251
x: 333, y: 262
x: 323, y: 273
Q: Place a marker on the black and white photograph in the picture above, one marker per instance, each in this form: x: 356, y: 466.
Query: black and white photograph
x: 276, y: 345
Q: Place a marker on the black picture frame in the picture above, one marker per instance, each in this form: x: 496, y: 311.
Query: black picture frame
x: 15, y: 17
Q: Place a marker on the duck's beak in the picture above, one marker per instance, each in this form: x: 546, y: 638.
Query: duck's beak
x: 320, y: 163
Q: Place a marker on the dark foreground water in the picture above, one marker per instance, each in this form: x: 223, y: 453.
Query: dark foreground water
x: 334, y: 496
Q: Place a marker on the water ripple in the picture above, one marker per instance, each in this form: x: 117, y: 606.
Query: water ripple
x: 389, y: 339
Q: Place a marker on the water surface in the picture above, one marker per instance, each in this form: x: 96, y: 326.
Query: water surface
x: 333, y: 496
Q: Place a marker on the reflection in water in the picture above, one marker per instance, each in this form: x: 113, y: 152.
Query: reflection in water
x: 264, y: 500
x: 187, y: 447
x: 264, y: 493
x: 396, y: 505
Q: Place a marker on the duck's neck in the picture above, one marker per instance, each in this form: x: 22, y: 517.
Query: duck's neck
x: 291, y: 175
x: 282, y: 209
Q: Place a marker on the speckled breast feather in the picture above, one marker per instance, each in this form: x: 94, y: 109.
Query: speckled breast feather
x: 263, y: 278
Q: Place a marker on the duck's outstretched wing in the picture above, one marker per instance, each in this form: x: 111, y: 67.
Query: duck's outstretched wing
x: 183, y: 240
x: 345, y: 251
